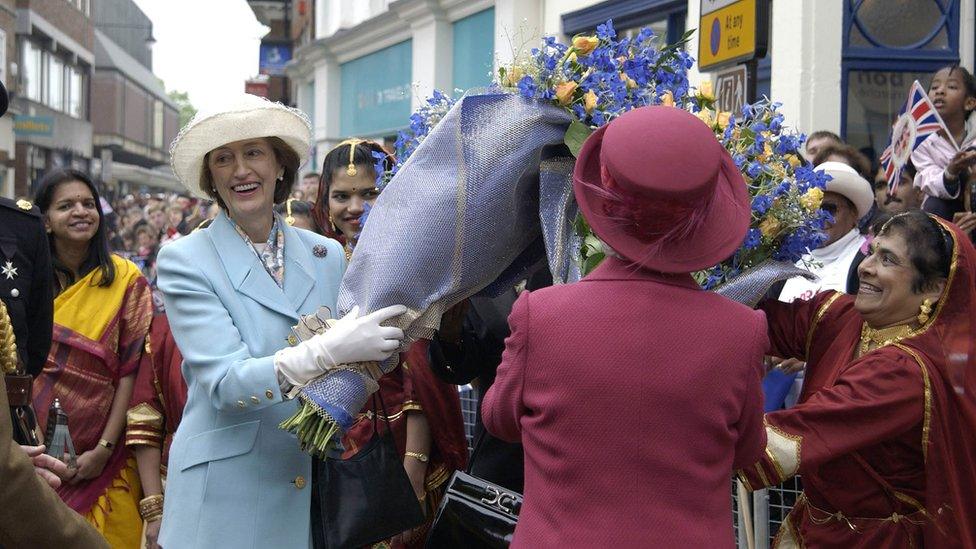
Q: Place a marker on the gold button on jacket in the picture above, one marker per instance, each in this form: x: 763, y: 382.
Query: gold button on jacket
x: 299, y: 482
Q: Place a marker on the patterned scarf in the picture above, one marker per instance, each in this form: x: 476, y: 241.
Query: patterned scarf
x: 273, y: 256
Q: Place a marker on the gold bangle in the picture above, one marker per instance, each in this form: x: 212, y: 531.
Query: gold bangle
x: 151, y: 506
x: 417, y: 456
x: 106, y: 444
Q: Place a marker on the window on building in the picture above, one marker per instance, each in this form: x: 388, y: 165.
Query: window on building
x: 55, y: 83
x: 158, y: 124
x: 665, y: 17
x: 33, y: 71
x: 888, y: 44
x: 76, y: 93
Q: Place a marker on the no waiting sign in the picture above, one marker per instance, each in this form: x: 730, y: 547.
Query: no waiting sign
x: 731, y: 31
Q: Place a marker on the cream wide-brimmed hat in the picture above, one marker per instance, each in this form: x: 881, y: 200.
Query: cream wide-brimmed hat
x: 846, y: 182
x: 242, y: 117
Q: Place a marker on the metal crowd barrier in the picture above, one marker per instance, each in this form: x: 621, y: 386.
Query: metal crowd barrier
x: 769, y: 507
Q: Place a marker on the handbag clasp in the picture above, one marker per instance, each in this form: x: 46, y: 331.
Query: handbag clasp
x: 500, y: 499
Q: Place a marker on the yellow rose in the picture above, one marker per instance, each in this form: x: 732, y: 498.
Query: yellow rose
x: 589, y: 102
x: 769, y: 227
x: 564, y: 92
x: 631, y: 84
x: 585, y: 44
x: 794, y: 160
x: 667, y: 99
x: 512, y: 76
x: 723, y: 119
x: 705, y: 116
x: 811, y: 199
x: 705, y: 90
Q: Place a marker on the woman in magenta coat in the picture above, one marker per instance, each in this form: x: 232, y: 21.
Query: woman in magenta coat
x: 635, y: 393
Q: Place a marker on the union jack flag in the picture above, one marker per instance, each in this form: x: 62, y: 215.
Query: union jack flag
x: 916, y: 120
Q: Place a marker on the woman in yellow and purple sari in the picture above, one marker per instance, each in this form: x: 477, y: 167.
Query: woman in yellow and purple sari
x: 102, y: 312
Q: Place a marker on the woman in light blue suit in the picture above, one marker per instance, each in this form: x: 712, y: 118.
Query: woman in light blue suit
x: 233, y: 291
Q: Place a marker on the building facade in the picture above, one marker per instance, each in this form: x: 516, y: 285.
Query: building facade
x: 133, y: 119
x: 836, y: 65
x: 275, y: 50
x: 52, y: 123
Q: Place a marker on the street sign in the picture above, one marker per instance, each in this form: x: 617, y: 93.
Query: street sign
x: 732, y: 88
x: 731, y: 31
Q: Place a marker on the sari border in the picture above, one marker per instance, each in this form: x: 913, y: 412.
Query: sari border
x: 927, y: 415
x: 821, y: 312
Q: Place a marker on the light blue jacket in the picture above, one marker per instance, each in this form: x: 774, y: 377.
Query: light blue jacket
x: 234, y: 479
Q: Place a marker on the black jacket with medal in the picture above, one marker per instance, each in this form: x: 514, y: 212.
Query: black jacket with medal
x: 26, y: 280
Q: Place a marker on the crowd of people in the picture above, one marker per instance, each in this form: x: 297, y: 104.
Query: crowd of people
x: 171, y: 316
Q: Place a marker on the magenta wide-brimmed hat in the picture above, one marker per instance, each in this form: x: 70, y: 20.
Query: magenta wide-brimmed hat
x: 658, y: 187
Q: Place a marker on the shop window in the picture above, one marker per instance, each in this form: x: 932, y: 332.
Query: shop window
x: 474, y: 50
x: 887, y: 45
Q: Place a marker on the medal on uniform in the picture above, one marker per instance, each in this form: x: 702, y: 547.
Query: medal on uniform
x: 8, y: 270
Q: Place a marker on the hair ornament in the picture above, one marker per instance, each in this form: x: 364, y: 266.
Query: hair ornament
x: 351, y: 170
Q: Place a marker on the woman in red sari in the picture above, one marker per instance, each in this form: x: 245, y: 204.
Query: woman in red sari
x: 424, y: 412
x: 102, y: 312
x: 883, y: 434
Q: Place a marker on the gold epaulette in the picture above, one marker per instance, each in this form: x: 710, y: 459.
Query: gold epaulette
x: 8, y: 343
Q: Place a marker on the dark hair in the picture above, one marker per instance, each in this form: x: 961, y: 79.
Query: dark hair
x: 99, y: 256
x: 824, y: 134
x: 929, y: 246
x: 968, y: 80
x: 852, y: 157
x: 297, y: 207
x: 338, y: 158
x: 286, y: 157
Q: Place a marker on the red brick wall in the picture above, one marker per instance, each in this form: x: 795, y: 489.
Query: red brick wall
x: 106, y: 102
x: 137, y: 114
x: 66, y: 17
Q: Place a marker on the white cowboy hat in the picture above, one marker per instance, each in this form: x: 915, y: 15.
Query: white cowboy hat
x: 243, y: 117
x: 846, y: 182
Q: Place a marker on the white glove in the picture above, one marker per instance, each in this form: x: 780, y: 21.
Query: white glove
x: 351, y: 339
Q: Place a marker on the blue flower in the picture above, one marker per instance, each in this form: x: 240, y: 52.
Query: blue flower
x: 740, y: 160
x: 761, y: 204
x: 606, y: 31
x: 753, y: 239
x: 527, y: 87
x: 754, y: 169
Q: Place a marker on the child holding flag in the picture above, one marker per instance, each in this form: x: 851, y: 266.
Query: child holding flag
x: 945, y: 159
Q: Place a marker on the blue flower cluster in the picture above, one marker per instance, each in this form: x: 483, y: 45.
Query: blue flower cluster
x: 421, y: 122
x: 623, y: 74
x: 786, y: 220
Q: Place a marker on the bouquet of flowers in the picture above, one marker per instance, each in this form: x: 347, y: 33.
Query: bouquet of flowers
x: 600, y: 77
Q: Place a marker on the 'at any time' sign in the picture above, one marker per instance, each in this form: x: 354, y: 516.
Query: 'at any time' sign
x: 731, y: 31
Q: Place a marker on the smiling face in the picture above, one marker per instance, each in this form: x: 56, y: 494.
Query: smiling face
x: 73, y: 216
x: 244, y: 175
x: 885, y: 296
x: 949, y: 95
x: 347, y: 196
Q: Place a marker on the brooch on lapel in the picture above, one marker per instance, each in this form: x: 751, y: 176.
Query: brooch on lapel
x: 319, y: 250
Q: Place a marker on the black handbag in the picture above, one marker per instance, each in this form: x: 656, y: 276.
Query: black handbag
x: 474, y: 514
x: 364, y: 499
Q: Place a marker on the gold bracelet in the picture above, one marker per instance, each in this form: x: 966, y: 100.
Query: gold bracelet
x: 151, y: 506
x: 417, y: 456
